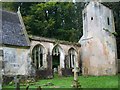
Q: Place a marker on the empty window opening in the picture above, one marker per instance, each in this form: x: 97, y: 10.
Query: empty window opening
x: 84, y: 16
x: 72, y: 57
x: 55, y: 59
x: 108, y: 20
x: 37, y: 56
x: 91, y: 18
x: 70, y: 64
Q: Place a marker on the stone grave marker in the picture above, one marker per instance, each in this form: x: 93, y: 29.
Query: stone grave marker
x: 76, y: 71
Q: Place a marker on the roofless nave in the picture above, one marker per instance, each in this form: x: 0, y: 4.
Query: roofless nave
x: 95, y: 54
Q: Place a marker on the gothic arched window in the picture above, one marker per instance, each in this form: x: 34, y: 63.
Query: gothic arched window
x: 37, y: 56
x: 72, y: 57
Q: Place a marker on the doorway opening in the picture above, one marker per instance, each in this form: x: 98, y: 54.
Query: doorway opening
x: 55, y: 60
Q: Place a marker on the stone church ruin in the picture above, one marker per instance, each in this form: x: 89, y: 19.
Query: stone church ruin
x: 95, y: 53
x: 34, y: 56
x: 49, y: 56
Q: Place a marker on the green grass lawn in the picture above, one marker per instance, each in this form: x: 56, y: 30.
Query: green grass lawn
x: 86, y: 82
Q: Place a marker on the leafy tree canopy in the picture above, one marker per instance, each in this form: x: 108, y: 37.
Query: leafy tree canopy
x: 60, y: 20
x: 51, y: 19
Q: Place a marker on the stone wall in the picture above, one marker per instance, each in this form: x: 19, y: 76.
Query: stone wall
x: 98, y: 43
x: 48, y: 46
x: 46, y: 73
x: 16, y: 60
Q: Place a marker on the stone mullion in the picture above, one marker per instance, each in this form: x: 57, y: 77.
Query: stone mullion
x: 35, y: 57
x: 70, y: 64
x: 71, y: 60
x: 43, y: 59
x: 39, y: 57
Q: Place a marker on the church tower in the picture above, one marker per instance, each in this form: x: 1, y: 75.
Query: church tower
x: 98, y: 43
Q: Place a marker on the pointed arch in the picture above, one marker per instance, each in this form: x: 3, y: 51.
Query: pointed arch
x: 72, y: 53
x: 57, y: 50
x: 38, y: 56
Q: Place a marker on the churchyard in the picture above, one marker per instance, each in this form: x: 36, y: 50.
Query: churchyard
x: 38, y: 61
x: 67, y: 82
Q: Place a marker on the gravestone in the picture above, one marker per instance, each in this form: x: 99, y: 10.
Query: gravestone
x: 17, y: 83
x: 76, y: 71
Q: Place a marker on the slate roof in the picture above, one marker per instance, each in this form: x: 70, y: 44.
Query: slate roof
x: 12, y: 31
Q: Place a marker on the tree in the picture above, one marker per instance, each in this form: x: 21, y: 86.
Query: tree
x: 55, y: 20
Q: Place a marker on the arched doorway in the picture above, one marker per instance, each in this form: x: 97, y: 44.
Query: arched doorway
x: 58, y: 57
x: 55, y: 59
x: 38, y: 56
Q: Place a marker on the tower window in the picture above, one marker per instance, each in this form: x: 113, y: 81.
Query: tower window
x: 108, y: 21
x: 84, y: 16
x: 91, y: 18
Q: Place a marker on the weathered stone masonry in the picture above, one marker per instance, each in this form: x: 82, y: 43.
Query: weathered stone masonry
x: 15, y: 45
x: 34, y: 56
x: 47, y: 49
x: 98, y: 43
x: 95, y: 53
